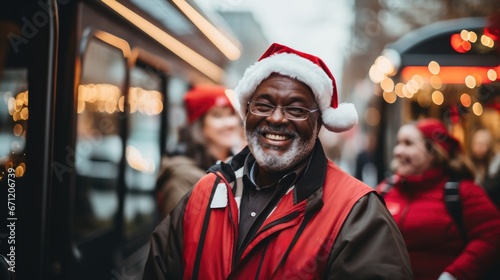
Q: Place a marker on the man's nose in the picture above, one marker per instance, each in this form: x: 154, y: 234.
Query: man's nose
x: 278, y: 115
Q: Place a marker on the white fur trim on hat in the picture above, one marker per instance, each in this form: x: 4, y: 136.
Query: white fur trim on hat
x: 294, y: 66
x: 344, y: 117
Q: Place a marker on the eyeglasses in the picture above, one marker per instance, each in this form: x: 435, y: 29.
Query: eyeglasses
x: 293, y: 113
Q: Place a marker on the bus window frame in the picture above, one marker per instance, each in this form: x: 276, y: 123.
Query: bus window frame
x: 114, y: 233
x: 145, y: 60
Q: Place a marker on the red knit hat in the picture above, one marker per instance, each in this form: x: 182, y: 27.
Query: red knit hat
x: 202, y: 98
x: 306, y: 68
x: 434, y: 130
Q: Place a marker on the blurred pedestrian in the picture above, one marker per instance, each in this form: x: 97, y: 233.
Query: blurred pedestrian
x: 215, y: 133
x: 366, y: 167
x: 427, y: 160
x: 281, y: 209
x: 486, y: 163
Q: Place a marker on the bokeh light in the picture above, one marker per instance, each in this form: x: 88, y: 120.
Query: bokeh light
x: 437, y: 97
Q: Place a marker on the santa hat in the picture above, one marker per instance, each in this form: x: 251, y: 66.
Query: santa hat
x: 201, y: 98
x: 435, y: 131
x: 306, y: 68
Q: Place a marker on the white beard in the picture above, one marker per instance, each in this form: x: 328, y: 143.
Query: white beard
x: 298, y: 151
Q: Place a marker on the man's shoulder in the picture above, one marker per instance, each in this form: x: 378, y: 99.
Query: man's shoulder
x: 339, y: 183
x: 207, y: 180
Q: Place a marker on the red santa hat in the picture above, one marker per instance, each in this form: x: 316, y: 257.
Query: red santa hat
x: 435, y: 131
x: 306, y: 68
x: 201, y: 98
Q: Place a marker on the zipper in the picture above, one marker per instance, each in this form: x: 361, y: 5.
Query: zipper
x: 235, y: 238
x: 281, y: 220
x: 261, y: 260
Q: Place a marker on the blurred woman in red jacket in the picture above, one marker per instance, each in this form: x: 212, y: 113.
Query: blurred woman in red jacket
x: 426, y: 157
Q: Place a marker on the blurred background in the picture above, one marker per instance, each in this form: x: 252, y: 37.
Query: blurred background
x: 397, y: 61
x: 91, y: 97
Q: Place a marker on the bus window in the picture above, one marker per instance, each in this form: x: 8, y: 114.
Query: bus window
x: 13, y: 105
x: 176, y: 114
x: 143, y: 151
x: 99, y: 146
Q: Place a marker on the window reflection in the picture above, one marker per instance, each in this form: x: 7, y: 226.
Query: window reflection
x: 13, y: 120
x: 14, y: 110
x: 176, y: 112
x: 99, y: 146
x: 143, y: 148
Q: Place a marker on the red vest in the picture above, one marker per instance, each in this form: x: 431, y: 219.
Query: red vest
x: 264, y: 257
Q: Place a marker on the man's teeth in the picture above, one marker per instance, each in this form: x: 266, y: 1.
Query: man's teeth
x: 275, y: 137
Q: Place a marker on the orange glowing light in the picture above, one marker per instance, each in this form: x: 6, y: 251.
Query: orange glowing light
x: 457, y: 43
x: 465, y: 100
x: 452, y: 74
x: 466, y: 45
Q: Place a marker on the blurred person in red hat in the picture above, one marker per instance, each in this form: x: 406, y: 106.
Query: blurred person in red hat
x: 216, y: 130
x: 280, y: 209
x: 214, y: 133
x: 450, y: 226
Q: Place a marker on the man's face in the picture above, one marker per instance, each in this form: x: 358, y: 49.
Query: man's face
x: 277, y: 143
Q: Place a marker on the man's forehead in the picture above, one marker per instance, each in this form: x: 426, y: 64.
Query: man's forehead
x: 286, y: 78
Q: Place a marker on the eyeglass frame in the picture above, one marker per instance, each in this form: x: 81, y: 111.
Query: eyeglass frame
x: 283, y: 112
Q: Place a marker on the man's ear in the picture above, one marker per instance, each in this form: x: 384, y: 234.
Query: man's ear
x: 320, y: 121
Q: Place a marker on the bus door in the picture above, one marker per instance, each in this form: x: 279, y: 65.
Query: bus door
x: 28, y: 40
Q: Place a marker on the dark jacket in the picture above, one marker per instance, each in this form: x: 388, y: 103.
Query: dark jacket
x: 177, y: 176
x: 328, y: 226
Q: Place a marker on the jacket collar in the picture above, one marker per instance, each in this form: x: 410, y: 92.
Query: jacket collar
x: 314, y: 175
x: 227, y: 169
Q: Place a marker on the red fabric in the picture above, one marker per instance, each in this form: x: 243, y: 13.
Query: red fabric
x: 276, y: 48
x: 202, y: 98
x: 431, y: 236
x: 454, y: 114
x: 435, y: 131
x: 492, y: 28
x: 312, y: 247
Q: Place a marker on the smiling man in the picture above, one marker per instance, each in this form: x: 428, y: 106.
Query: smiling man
x: 281, y: 209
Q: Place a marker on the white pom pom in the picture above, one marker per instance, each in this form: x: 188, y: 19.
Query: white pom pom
x: 341, y: 119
